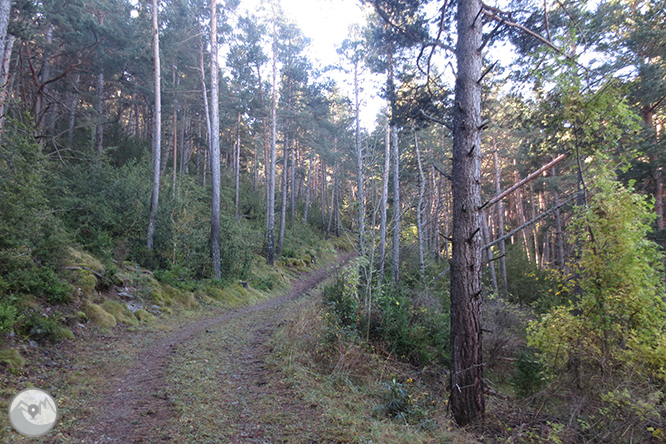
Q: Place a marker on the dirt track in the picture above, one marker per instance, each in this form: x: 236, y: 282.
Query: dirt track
x: 139, y: 408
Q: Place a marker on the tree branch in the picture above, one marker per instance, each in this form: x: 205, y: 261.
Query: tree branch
x: 513, y: 188
x: 436, y: 120
x: 531, y: 222
x: 443, y: 173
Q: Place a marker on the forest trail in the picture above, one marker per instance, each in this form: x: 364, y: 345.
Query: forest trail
x: 214, y: 367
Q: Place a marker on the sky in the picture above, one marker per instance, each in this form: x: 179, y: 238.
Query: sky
x: 326, y: 24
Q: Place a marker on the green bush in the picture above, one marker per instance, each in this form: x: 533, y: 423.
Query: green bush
x: 528, y: 374
x: 42, y: 282
x: 610, y: 338
x: 37, y: 326
x: 8, y: 316
x: 417, y: 334
x: 530, y: 285
x: 342, y: 305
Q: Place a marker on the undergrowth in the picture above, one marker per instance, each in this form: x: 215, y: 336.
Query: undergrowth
x: 372, y: 396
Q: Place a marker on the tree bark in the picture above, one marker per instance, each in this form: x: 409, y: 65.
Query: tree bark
x: 5, y: 9
x: 73, y: 106
x: 648, y: 118
x: 384, y: 201
x: 99, y: 110
x: 157, y: 133
x: 359, y: 164
x: 307, y: 191
x: 419, y: 210
x: 4, y: 76
x: 285, y: 190
x: 215, y: 145
x: 292, y: 181
x: 500, y: 220
x: 174, y: 131
x: 489, y: 253
x: 237, y: 168
x: 397, y: 209
x: 467, y: 384
x: 204, y: 93
x: 270, y: 189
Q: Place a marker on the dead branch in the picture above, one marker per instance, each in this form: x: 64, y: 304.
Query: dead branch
x: 513, y: 188
x: 529, y: 223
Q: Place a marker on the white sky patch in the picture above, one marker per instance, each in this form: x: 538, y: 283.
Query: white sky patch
x: 326, y: 23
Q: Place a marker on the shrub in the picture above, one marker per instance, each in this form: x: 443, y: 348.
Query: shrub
x: 611, y: 335
x: 528, y: 377
x: 8, y: 316
x: 38, y: 326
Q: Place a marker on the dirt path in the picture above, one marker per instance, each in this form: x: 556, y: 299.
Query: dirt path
x: 228, y: 352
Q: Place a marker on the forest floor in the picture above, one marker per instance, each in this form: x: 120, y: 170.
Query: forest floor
x: 155, y: 384
x: 217, y: 375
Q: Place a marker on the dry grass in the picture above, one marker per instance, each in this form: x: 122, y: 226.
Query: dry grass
x: 336, y: 370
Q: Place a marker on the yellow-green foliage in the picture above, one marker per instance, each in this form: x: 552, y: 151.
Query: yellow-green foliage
x: 97, y: 315
x: 144, y: 316
x: 619, y: 318
x: 12, y: 358
x: 235, y: 295
x: 298, y: 264
x: 83, y: 280
x: 612, y: 334
x: 205, y: 298
x: 155, y: 292
x: 178, y: 298
x: 120, y: 312
x: 81, y: 259
x: 86, y: 282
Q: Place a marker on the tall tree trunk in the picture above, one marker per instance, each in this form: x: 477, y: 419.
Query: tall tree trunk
x: 648, y: 118
x: 4, y: 74
x: 489, y: 253
x: 237, y: 168
x: 383, y: 219
x: 215, y: 145
x: 174, y: 130
x: 336, y: 201
x: 434, y: 240
x: 559, y: 238
x: 359, y: 165
x: 467, y: 398
x: 270, y: 198
x: 99, y: 110
x: 41, y: 106
x: 5, y: 9
x: 520, y: 210
x: 535, y: 228
x: 419, y: 211
x: 292, y: 181
x: 204, y: 93
x: 397, y: 208
x: 500, y: 220
x: 307, y: 191
x: 324, y: 196
x: 186, y: 141
x: 284, y: 191
x: 73, y: 106
x: 157, y: 132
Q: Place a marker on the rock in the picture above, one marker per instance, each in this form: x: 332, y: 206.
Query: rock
x: 134, y: 306
x: 124, y: 294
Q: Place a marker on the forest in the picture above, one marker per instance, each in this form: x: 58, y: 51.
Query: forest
x: 504, y: 212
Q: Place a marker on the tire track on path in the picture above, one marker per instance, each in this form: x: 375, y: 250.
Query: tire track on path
x: 138, y: 408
